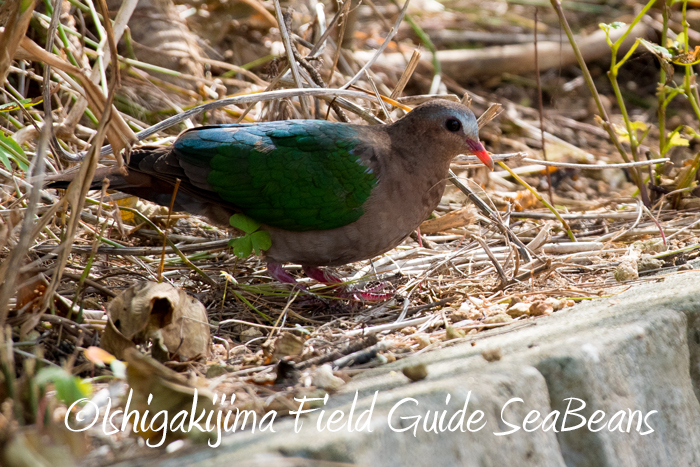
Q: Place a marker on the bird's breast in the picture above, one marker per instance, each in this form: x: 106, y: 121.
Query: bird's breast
x: 396, y: 208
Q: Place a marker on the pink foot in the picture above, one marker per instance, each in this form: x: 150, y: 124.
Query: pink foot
x: 277, y: 272
x: 320, y: 275
x: 323, y: 276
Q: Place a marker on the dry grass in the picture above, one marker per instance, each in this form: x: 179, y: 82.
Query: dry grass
x: 64, y: 256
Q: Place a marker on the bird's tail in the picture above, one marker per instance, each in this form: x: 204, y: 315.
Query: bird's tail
x: 121, y: 179
x: 152, y: 175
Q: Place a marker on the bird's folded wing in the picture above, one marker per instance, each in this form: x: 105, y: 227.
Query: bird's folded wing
x: 294, y: 175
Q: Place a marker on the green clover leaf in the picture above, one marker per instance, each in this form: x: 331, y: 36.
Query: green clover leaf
x: 244, y: 223
x: 254, y: 240
x: 260, y: 241
x: 242, y: 246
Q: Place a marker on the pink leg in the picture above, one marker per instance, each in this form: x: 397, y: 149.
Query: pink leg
x: 420, y: 238
x: 277, y: 272
x: 325, y: 277
x: 320, y: 275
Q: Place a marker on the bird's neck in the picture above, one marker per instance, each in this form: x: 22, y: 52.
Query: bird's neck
x: 418, y: 153
x: 417, y: 172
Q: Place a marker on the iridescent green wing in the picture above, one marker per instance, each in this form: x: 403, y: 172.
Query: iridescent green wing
x: 296, y: 175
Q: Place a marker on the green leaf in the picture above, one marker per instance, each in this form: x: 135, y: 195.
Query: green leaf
x: 622, y: 134
x: 26, y: 103
x: 661, y: 52
x: 5, y: 160
x: 261, y: 241
x: 680, y: 40
x: 692, y: 133
x: 675, y: 139
x: 69, y: 388
x: 242, y: 246
x: 608, y: 27
x: 253, y: 240
x: 10, y: 150
x: 244, y: 223
x: 637, y: 125
x: 617, y: 25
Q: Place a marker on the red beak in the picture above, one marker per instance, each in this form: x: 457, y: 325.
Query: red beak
x: 478, y: 150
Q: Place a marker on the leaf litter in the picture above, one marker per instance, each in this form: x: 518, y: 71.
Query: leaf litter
x: 217, y: 323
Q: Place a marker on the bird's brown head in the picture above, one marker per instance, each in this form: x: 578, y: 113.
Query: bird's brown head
x: 449, y: 125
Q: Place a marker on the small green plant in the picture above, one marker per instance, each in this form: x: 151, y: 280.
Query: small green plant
x: 670, y: 53
x: 69, y: 388
x: 11, y: 151
x: 253, y: 240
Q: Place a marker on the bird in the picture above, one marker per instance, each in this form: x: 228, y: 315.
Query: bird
x: 327, y: 193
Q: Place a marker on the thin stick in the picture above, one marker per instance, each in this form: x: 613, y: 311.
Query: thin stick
x: 314, y: 76
x: 290, y: 56
x: 318, y: 47
x: 37, y: 180
x: 381, y: 48
x: 344, y: 13
x: 175, y: 249
x: 491, y: 214
x: 25, y: 236
x: 636, y: 175
x: 541, y: 111
x: 661, y: 231
x: 494, y: 261
x: 387, y: 116
x: 406, y: 75
x: 165, y: 232
x: 542, y: 200
x: 139, y: 251
x: 111, y: 42
x: 244, y: 99
x: 622, y: 165
x: 489, y: 114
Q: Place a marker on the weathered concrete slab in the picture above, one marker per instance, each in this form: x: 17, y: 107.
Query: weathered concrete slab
x: 634, y: 353
x: 485, y: 391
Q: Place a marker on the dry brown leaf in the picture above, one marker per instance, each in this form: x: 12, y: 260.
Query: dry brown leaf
x: 18, y: 13
x: 542, y: 237
x: 451, y: 220
x: 53, y: 446
x: 149, y: 310
x: 119, y: 134
x: 287, y: 345
x: 171, y: 393
x: 31, y: 287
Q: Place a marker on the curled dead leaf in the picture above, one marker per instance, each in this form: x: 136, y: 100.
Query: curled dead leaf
x: 149, y: 311
x: 158, y: 390
x: 288, y: 345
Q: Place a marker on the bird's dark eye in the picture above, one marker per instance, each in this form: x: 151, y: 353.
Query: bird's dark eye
x: 453, y: 125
